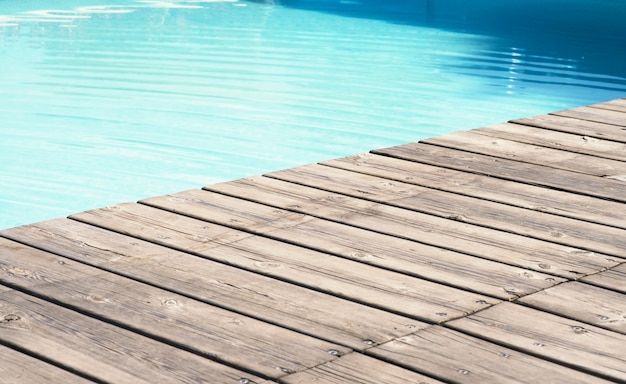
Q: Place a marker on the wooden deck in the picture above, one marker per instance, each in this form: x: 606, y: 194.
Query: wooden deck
x: 496, y: 255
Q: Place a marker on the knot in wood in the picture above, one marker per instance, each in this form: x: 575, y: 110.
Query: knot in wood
x: 556, y: 233
x: 589, y: 139
x: 457, y: 217
x: 528, y: 275
x: 359, y: 254
x: 9, y: 318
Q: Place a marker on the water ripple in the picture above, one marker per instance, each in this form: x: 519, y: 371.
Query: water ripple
x: 101, y: 104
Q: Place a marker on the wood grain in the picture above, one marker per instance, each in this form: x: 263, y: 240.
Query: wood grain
x: 409, y: 257
x: 618, y: 105
x: 270, y: 300
x: 356, y: 368
x: 583, y: 302
x: 557, y: 229
x: 560, y: 179
x: 395, y: 292
x: 599, y: 115
x: 4, y: 289
x: 18, y: 368
x: 455, y: 357
x: 576, y: 126
x: 228, y: 337
x: 476, y: 142
x: 100, y: 350
x: 521, y: 195
x: 540, y: 256
x: 614, y: 278
x: 581, y: 144
x: 569, y: 342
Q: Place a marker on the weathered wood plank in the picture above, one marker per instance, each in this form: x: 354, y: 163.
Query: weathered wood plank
x: 598, y: 115
x: 575, y: 126
x: 474, y: 141
x: 510, y: 170
x: 487, y: 243
x: 586, y: 145
x: 271, y: 300
x: 557, y: 229
x: 356, y: 368
x: 18, y: 368
x: 436, y: 264
x: 522, y: 195
x: 584, y: 302
x: 614, y: 278
x: 455, y: 357
x: 569, y: 342
x: 228, y: 337
x: 100, y: 350
x: 399, y: 293
x: 618, y: 105
x: 4, y: 289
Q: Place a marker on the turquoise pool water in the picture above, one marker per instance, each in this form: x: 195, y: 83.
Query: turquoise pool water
x: 110, y: 101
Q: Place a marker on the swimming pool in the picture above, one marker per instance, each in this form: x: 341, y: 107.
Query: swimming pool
x: 110, y: 101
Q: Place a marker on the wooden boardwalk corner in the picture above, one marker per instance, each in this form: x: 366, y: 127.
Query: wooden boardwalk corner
x: 496, y: 255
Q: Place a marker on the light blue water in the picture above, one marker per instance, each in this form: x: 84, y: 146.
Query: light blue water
x: 110, y: 101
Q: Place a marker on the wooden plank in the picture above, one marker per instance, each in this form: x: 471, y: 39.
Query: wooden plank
x: 271, y: 300
x: 569, y: 342
x: 575, y: 126
x: 175, y: 319
x: 416, y: 259
x: 584, y: 302
x: 18, y: 368
x: 474, y: 141
x: 395, y: 292
x: 4, y: 289
x: 487, y: 243
x: 587, y: 145
x: 522, y: 195
x: 510, y: 170
x: 356, y: 368
x: 455, y: 357
x: 557, y: 229
x: 614, y: 278
x: 618, y: 105
x: 595, y: 114
x: 100, y: 350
